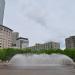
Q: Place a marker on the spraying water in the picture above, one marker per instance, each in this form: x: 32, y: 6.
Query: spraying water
x: 40, y: 60
x: 43, y: 64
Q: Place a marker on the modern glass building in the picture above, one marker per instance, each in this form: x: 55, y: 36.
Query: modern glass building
x: 2, y: 7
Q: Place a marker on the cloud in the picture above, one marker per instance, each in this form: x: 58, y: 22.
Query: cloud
x: 34, y: 11
x: 38, y: 19
x: 46, y: 19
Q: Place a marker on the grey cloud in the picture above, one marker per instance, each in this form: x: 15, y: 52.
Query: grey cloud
x: 31, y: 16
x: 39, y: 20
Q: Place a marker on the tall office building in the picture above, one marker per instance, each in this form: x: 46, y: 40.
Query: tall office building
x: 15, y: 35
x: 5, y: 37
x: 2, y: 6
x: 70, y: 42
x: 19, y: 42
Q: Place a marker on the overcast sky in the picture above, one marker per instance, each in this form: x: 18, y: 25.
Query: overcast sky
x: 41, y: 20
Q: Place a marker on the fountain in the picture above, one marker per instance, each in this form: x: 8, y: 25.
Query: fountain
x: 43, y: 64
x: 21, y: 60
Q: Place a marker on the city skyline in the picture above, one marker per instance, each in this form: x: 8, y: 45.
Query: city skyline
x: 41, y: 21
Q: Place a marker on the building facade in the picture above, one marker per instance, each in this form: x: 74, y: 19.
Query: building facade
x: 2, y: 7
x: 46, y: 46
x: 15, y: 35
x: 5, y: 37
x: 70, y: 42
x: 22, y: 42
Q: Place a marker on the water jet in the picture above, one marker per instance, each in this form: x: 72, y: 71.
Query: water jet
x: 21, y: 60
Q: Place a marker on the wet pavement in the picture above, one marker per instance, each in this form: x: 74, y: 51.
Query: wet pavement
x: 44, y: 70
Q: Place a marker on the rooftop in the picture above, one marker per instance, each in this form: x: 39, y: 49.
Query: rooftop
x: 5, y: 27
x: 22, y: 38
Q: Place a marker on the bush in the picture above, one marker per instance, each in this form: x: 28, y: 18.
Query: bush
x: 7, y: 54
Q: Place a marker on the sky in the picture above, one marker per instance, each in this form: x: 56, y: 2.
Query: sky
x: 41, y: 20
